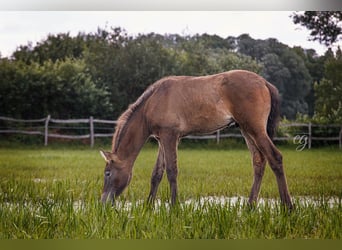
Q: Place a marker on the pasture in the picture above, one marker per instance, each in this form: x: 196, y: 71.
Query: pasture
x: 54, y: 193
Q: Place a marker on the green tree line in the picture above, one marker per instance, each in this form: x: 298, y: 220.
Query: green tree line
x: 101, y: 73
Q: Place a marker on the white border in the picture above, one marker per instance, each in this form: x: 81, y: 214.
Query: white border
x: 195, y: 5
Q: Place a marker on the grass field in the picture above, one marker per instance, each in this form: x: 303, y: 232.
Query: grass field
x: 54, y: 192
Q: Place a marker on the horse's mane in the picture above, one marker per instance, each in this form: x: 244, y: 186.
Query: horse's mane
x: 127, y: 115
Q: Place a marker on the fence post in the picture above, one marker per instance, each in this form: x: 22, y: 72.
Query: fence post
x: 91, y: 121
x: 218, y: 137
x: 340, y: 140
x: 310, y: 134
x: 46, y: 134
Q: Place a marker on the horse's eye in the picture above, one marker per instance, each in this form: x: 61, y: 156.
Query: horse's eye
x: 107, y: 173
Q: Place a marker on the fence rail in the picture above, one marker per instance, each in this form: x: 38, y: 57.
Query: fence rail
x: 306, y: 136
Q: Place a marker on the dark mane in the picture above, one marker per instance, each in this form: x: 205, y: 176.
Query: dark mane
x: 127, y: 115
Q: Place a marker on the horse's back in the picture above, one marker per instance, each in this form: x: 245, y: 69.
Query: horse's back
x: 206, y: 103
x: 235, y: 80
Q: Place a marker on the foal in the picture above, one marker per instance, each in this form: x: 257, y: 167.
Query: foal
x: 177, y: 106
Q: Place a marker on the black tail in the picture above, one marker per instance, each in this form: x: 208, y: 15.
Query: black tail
x: 273, y: 118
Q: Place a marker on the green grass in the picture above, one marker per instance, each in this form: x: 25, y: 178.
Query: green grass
x: 54, y: 192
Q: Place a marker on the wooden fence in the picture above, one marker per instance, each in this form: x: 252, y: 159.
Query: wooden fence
x: 303, y: 137
x: 48, y: 121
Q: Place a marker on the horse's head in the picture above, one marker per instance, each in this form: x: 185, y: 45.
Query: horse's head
x: 116, y: 177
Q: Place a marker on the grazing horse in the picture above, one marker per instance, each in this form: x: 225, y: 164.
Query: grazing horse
x: 177, y: 106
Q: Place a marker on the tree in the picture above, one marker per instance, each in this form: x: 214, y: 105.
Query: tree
x: 227, y: 60
x: 212, y: 41
x: 325, y: 26
x: 101, y: 73
x: 328, y: 104
x: 63, y: 89
x: 54, y: 47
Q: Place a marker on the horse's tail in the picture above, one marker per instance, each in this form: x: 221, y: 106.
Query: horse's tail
x: 273, y: 117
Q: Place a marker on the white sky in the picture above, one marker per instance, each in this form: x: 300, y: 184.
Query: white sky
x: 18, y: 28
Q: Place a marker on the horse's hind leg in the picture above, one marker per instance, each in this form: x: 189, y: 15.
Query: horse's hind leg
x: 275, y: 160
x: 157, y: 174
x: 259, y: 163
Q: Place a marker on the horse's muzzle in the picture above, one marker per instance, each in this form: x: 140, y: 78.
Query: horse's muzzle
x: 107, y: 197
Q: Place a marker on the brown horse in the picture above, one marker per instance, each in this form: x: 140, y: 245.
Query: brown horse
x: 177, y: 106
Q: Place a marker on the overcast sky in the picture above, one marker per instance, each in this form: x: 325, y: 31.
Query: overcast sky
x: 19, y: 28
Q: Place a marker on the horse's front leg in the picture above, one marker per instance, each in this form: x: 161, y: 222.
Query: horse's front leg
x: 157, y: 174
x: 169, y: 142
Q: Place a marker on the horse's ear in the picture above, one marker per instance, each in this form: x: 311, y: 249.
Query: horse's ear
x: 107, y: 156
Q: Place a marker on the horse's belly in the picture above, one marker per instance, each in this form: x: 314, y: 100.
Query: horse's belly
x: 206, y: 124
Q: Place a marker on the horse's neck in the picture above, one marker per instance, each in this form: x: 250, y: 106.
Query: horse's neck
x: 132, y: 139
